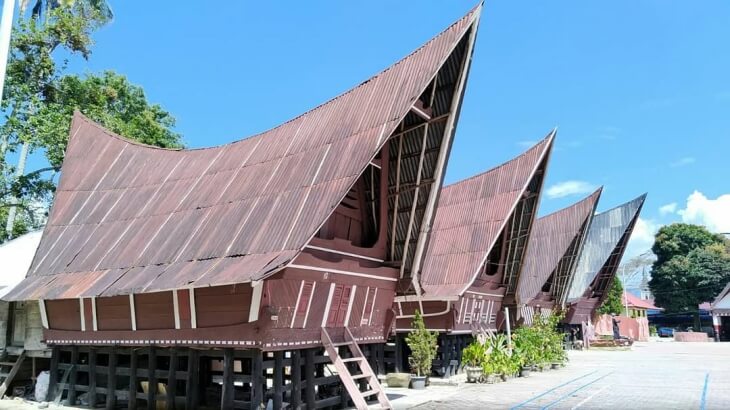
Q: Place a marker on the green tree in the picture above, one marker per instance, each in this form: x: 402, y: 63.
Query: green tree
x: 613, y: 304
x: 423, y: 345
x: 39, y: 100
x: 693, y: 268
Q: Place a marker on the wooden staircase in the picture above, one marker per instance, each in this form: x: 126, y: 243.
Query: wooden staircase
x: 350, y: 381
x: 8, y: 370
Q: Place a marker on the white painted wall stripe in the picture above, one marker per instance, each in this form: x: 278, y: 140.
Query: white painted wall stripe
x: 296, y: 305
x: 176, y: 308
x: 349, y: 305
x: 93, y: 313
x: 328, y: 305
x: 44, y: 314
x: 81, y: 314
x: 258, y: 288
x: 309, y: 304
x: 132, y: 311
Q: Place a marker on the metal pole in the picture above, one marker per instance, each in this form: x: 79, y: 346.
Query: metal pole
x: 509, y: 332
x: 623, y: 285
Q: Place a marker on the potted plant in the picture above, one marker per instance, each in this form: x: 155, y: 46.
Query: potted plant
x: 423, y: 345
x: 473, y: 357
x: 490, y: 376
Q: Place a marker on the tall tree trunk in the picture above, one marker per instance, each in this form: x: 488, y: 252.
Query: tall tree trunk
x: 13, y: 210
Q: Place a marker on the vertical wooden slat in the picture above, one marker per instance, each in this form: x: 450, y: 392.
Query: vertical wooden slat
x: 309, y: 377
x: 227, y: 396
x: 53, y: 379
x: 191, y: 385
x: 151, y: 378
x: 111, y: 380
x: 344, y: 396
x: 172, y: 380
x: 296, y: 379
x: 380, y: 351
x: 72, y: 378
x: 399, y: 368
x: 278, y: 378
x: 257, y: 384
x: 132, y: 404
x: 92, y: 377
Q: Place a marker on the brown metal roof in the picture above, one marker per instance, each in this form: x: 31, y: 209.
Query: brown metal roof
x: 552, y: 236
x: 134, y: 218
x: 470, y: 216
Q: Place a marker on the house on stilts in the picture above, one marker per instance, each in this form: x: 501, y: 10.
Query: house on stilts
x: 474, y: 255
x: 234, y: 276
x: 555, y: 244
x: 22, y: 351
x: 599, y: 260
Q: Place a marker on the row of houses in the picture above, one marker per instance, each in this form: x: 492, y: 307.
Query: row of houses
x: 237, y: 275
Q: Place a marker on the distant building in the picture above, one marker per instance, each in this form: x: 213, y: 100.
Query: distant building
x: 720, y: 310
x: 638, y: 307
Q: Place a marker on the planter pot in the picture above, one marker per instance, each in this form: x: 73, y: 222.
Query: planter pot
x: 556, y: 366
x: 398, y: 379
x: 491, y: 378
x: 503, y: 377
x: 473, y: 374
x: 418, y: 382
x: 525, y: 372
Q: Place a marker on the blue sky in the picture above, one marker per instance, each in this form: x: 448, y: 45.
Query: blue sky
x: 639, y: 90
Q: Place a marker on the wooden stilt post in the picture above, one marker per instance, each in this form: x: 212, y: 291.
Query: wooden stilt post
x: 399, y: 368
x: 380, y: 349
x: 172, y: 380
x: 111, y: 380
x: 151, y: 378
x: 344, y: 397
x: 296, y: 379
x: 257, y: 384
x: 92, y: 377
x: 132, y: 403
x: 227, y: 396
x: 53, y: 379
x: 278, y: 379
x: 191, y: 385
x: 72, y: 377
x: 309, y: 376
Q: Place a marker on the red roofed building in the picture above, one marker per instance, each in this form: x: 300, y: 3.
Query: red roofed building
x: 637, y: 307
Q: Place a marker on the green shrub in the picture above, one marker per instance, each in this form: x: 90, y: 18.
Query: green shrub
x: 423, y: 345
x: 474, y: 355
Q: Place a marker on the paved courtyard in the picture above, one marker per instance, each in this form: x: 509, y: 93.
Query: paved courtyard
x: 655, y: 375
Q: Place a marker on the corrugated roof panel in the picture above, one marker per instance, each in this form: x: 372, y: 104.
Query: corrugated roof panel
x: 550, y: 239
x: 470, y: 216
x: 607, y: 229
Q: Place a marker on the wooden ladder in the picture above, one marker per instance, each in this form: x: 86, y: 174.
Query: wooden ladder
x: 349, y: 380
x: 8, y: 370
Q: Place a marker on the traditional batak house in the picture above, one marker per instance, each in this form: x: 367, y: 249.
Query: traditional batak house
x: 555, y: 243
x: 475, y: 253
x: 599, y: 260
x: 22, y: 350
x: 220, y: 276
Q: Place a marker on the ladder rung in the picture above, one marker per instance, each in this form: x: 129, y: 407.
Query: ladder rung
x: 353, y: 359
x: 341, y: 344
x: 7, y: 363
x: 370, y: 393
x: 361, y: 376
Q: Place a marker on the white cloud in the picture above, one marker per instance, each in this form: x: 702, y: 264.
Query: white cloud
x: 683, y: 161
x: 642, y: 238
x: 712, y: 213
x: 568, y: 188
x: 668, y: 209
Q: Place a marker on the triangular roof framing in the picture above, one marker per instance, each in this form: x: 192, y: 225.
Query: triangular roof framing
x: 555, y: 243
x: 130, y: 218
x: 603, y: 249
x: 471, y: 217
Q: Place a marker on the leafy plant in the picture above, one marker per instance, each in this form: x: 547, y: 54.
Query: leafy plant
x: 474, y: 355
x: 423, y: 345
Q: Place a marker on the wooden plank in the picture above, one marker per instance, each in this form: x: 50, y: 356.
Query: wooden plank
x: 53, y: 379
x: 13, y: 371
x: 132, y: 403
x: 172, y: 380
x: 92, y: 377
x: 296, y: 379
x: 228, y: 393
x: 151, y: 378
x: 258, y: 383
x: 399, y: 368
x: 73, y: 376
x: 191, y: 383
x: 278, y: 378
x: 309, y: 376
x: 111, y: 381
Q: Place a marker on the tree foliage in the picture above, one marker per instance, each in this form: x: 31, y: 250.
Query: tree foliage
x: 613, y: 304
x: 39, y: 99
x: 692, y: 266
